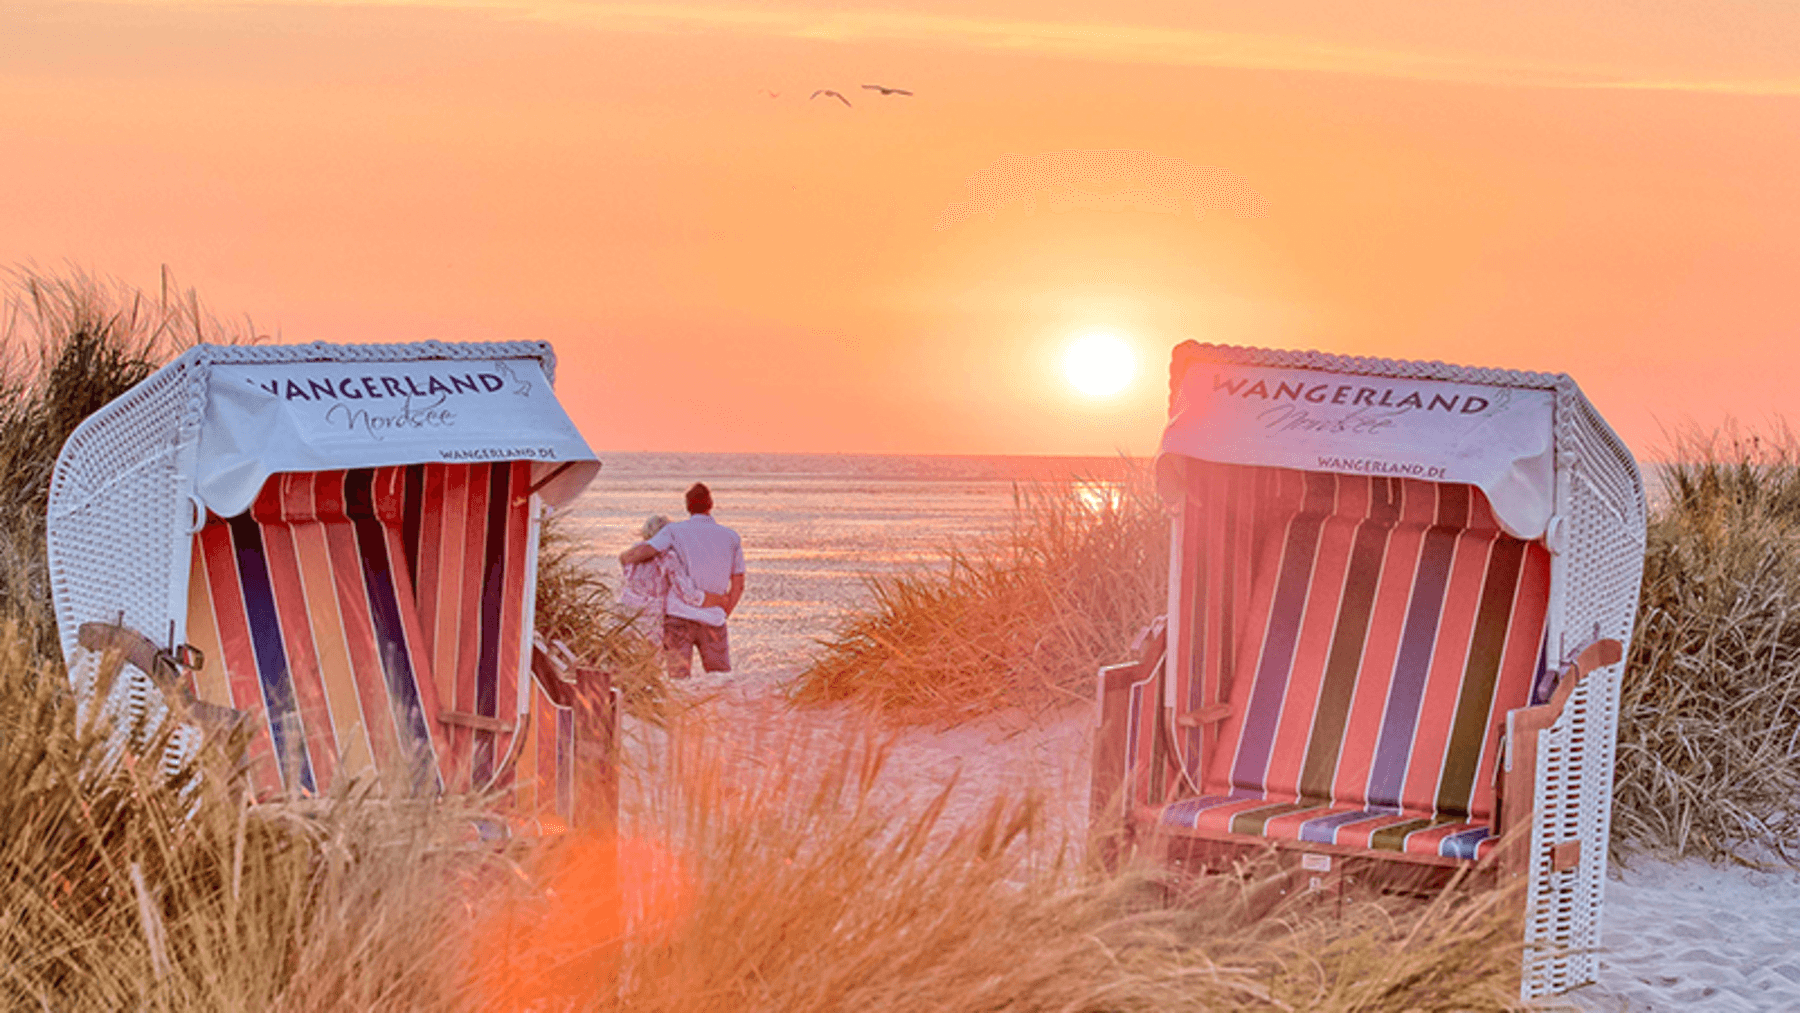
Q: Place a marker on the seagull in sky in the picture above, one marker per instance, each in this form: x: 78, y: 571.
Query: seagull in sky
x: 771, y: 94
x: 885, y: 90
x: 836, y: 95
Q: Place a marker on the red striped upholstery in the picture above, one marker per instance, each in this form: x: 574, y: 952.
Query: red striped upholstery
x: 465, y: 537
x: 310, y: 616
x: 1368, y: 636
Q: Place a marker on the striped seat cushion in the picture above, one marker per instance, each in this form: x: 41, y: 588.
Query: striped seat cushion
x: 1256, y: 814
x: 1366, y: 636
x: 310, y: 616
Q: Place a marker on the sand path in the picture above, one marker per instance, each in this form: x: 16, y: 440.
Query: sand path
x: 1693, y: 936
x: 1678, y: 935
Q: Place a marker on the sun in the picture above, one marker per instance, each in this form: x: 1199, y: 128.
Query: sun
x: 1099, y: 365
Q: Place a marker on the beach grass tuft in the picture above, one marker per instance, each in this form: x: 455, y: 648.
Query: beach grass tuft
x: 1025, y: 621
x: 1709, y: 725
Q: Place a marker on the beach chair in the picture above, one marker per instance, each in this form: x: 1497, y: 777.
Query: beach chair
x: 1397, y: 596
x: 336, y: 546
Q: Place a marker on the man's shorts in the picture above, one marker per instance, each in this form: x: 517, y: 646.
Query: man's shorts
x: 680, y: 636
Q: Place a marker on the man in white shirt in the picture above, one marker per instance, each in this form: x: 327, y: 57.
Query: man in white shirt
x: 714, y: 558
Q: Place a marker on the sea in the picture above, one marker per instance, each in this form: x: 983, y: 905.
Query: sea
x: 817, y: 526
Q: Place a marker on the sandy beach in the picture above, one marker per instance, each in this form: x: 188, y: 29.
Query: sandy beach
x: 1693, y: 936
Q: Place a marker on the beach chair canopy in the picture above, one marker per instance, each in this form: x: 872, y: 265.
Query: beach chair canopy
x: 1495, y: 437
x: 347, y: 534
x: 1375, y: 566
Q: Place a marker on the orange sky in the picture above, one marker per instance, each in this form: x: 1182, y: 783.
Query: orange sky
x: 1606, y: 188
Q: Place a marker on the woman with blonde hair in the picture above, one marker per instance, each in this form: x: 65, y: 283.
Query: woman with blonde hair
x: 648, y: 586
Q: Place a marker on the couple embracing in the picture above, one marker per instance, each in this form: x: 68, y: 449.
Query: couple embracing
x: 692, y: 573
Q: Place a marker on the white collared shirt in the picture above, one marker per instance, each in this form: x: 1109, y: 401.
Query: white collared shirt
x: 713, y: 553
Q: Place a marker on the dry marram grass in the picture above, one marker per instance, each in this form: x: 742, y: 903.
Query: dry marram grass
x: 68, y: 345
x: 792, y: 883
x: 1709, y: 725
x: 1023, y: 622
x: 124, y: 889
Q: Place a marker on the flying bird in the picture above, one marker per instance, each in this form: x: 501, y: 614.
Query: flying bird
x: 771, y: 94
x: 885, y: 90
x: 836, y: 95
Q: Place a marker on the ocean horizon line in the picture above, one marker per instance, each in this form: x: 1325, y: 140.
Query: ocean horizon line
x: 705, y: 465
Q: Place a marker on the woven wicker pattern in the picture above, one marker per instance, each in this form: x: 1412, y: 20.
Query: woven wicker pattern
x: 1597, y: 541
x: 117, y: 520
x: 1595, y: 592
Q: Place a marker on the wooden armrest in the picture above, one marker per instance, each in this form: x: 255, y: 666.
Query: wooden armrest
x: 1107, y: 764
x: 1598, y: 654
x: 166, y: 668
x: 1516, y: 778
x: 1113, y: 788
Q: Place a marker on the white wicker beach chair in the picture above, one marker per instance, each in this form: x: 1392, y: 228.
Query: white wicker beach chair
x: 1397, y: 594
x: 337, y: 544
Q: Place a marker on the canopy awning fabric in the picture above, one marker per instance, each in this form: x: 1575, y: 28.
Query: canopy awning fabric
x: 267, y: 418
x: 1497, y: 437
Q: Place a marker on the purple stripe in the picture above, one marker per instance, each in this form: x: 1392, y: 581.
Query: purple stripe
x: 493, y: 594
x: 1263, y: 715
x: 1186, y: 813
x: 1387, y: 773
x: 382, y: 591
x: 1464, y: 843
x: 1324, y: 829
x: 269, y: 647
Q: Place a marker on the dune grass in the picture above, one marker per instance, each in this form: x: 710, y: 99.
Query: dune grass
x: 69, y: 344
x: 1709, y: 726
x: 795, y: 882
x: 1025, y: 621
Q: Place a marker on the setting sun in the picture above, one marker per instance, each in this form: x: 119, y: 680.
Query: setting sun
x: 1099, y: 364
